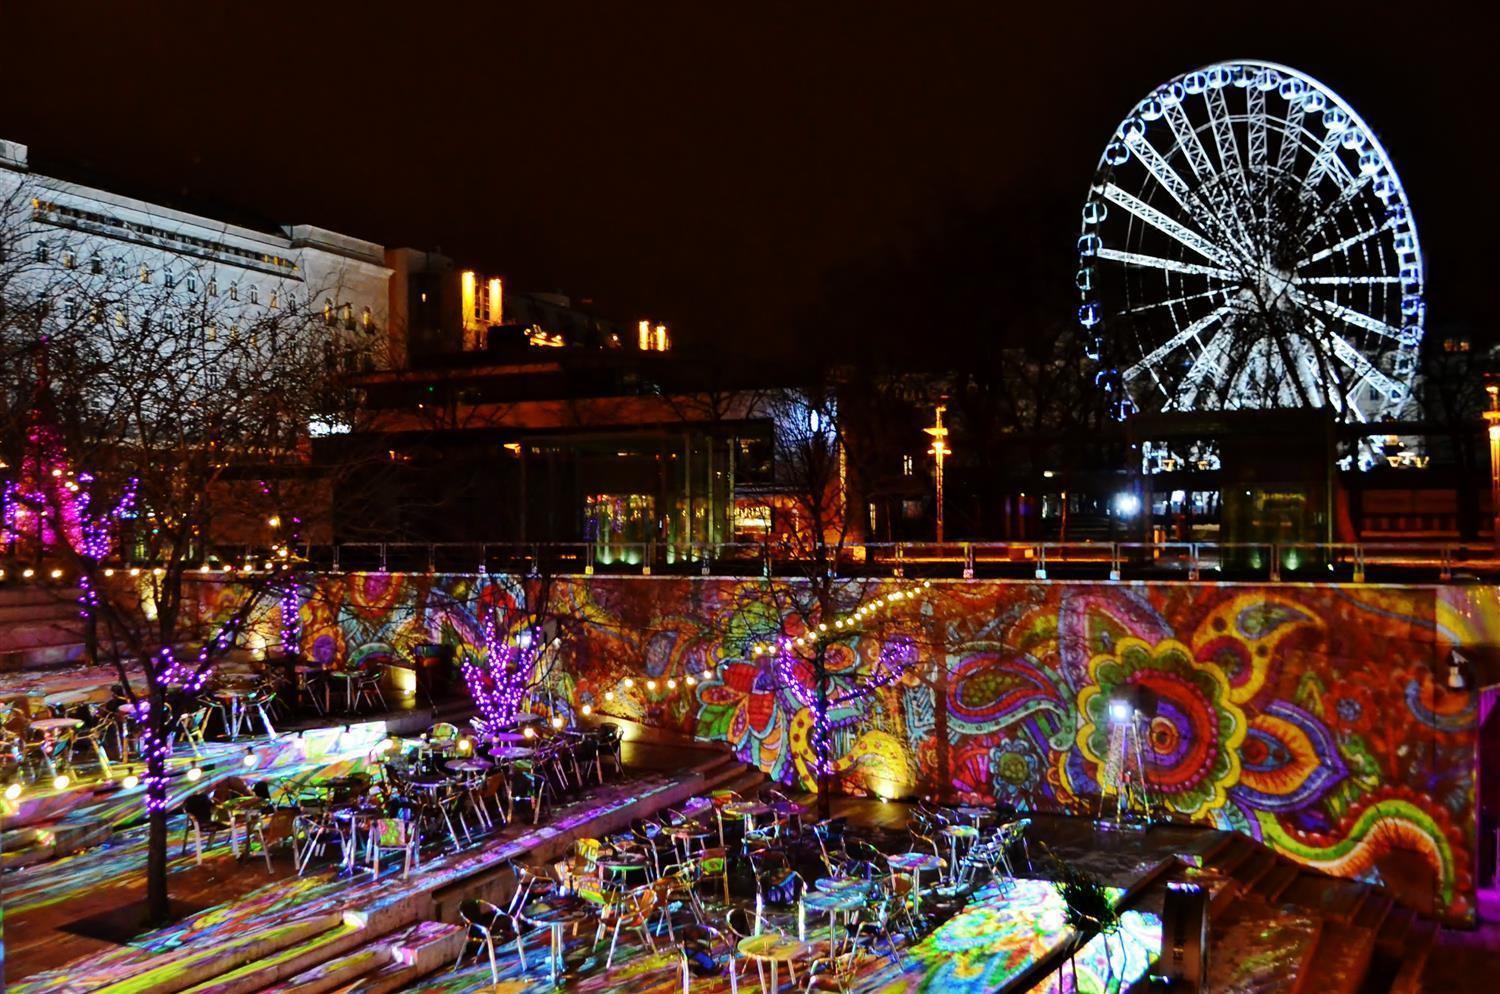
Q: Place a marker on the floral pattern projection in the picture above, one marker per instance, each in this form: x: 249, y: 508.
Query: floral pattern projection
x: 1311, y: 718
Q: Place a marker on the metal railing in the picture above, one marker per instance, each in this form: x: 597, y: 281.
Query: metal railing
x: 1355, y: 562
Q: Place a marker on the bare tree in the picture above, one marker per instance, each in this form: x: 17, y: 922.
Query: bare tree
x: 175, y: 417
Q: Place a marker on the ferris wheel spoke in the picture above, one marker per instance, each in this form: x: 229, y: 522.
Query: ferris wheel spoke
x: 1291, y: 139
x: 1228, y: 146
x: 1172, y: 181
x: 1345, y: 245
x: 1326, y: 215
x: 1211, y: 359
x: 1174, y: 301
x: 1339, y: 312
x: 1169, y: 265
x: 1187, y: 140
x: 1323, y: 161
x: 1153, y: 359
x: 1257, y: 129
x: 1351, y: 280
x: 1167, y: 226
x: 1364, y: 370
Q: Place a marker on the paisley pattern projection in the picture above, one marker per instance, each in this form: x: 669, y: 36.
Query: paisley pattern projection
x: 1317, y: 719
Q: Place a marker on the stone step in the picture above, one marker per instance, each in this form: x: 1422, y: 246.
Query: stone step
x: 1332, y: 897
x: 1341, y: 960
x: 1373, y: 910
x: 420, y: 949
x: 181, y: 969
x: 251, y: 976
x: 1272, y: 885
x: 1417, y: 946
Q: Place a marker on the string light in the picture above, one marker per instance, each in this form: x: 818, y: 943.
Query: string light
x: 60, y: 782
x: 13, y: 792
x: 131, y: 781
x: 195, y: 774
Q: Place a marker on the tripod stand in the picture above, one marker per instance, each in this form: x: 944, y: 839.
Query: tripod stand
x: 1124, y: 773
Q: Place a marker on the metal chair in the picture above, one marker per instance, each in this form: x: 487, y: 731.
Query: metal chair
x: 392, y: 834
x: 202, y: 820
x: 699, y: 946
x: 487, y: 923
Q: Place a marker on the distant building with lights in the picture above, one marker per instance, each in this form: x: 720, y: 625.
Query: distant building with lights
x: 94, y: 236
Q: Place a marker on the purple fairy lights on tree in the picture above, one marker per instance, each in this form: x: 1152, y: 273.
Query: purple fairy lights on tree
x: 498, y: 682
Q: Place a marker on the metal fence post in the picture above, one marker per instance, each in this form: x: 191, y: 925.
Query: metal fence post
x: 968, y: 560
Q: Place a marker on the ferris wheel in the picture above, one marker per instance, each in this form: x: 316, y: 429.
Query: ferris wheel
x: 1246, y: 243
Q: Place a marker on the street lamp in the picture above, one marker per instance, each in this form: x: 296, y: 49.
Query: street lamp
x: 939, y: 450
x: 1492, y: 418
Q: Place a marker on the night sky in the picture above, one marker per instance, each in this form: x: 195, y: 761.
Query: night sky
x: 710, y: 170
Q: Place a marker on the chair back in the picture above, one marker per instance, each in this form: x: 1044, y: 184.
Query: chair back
x: 391, y: 833
x: 198, y: 807
x: 443, y: 731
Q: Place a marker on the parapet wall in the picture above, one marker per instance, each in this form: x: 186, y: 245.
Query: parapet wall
x: 1316, y: 719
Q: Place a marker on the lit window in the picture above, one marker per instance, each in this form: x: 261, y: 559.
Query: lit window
x: 119, y: 319
x: 275, y: 299
x: 145, y: 273
x: 211, y: 333
x: 213, y: 288
x: 70, y: 261
x: 367, y: 319
x: 328, y: 312
x: 906, y: 466
x: 234, y: 291
x: 348, y: 315
x: 255, y: 295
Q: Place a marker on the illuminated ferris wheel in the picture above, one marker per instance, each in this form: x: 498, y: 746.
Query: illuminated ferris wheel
x: 1246, y: 243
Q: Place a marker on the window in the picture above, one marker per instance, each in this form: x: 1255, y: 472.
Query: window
x: 145, y: 273
x: 168, y: 325
x: 906, y: 466
x: 348, y: 316
x: 70, y: 308
x: 254, y: 340
x: 213, y: 288
x: 145, y: 326
x: 192, y: 283
x: 96, y: 266
x: 168, y: 279
x: 213, y: 379
x: 328, y: 312
x: 96, y: 312
x: 275, y: 302
x: 234, y: 333
x: 255, y: 295
x: 367, y: 319
x: 120, y: 318
x: 234, y: 291
x: 42, y: 254
x: 211, y: 333
x: 70, y: 261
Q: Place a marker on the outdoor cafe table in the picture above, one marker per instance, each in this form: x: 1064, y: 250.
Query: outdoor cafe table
x: 512, y: 738
x: 474, y: 764
x: 775, y: 949
x: 973, y: 814
x: 748, y: 810
x: 623, y: 863
x: 834, y: 904
x: 241, y: 809
x: 688, y: 833
x: 74, y: 698
x: 555, y: 913
x: 508, y: 754
x: 235, y: 697
x: 914, y: 863
x: 431, y: 783
x: 967, y: 833
x: 836, y: 885
x: 51, y: 726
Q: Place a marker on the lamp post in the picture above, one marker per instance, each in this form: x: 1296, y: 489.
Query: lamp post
x: 1492, y: 419
x: 939, y: 450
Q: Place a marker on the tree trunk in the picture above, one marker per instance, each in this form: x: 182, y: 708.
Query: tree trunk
x: 158, y: 911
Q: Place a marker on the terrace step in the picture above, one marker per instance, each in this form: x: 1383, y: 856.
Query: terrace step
x: 1273, y: 884
x: 1332, y: 897
x: 1341, y: 960
x: 415, y: 951
x: 1420, y: 939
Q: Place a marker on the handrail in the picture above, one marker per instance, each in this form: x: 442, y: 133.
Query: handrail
x: 1039, y: 560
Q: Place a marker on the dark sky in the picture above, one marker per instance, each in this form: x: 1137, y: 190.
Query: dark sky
x: 706, y: 167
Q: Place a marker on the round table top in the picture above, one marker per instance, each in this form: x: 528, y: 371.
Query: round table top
x: 86, y: 695
x: 770, y: 946
x: 835, y: 885
x: 746, y: 809
x: 555, y: 911
x: 789, y: 808
x: 691, y: 830
x: 438, y: 745
x: 623, y: 861
x: 972, y: 811
x: 506, y: 753
x: 961, y: 831
x: 475, y: 765
x: 56, y: 724
x: 845, y: 900
x: 511, y: 737
x: 427, y: 781
x: 914, y: 861
x: 233, y: 691
x: 239, y: 802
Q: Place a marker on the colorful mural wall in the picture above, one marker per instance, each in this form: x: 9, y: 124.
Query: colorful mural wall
x: 1316, y: 719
